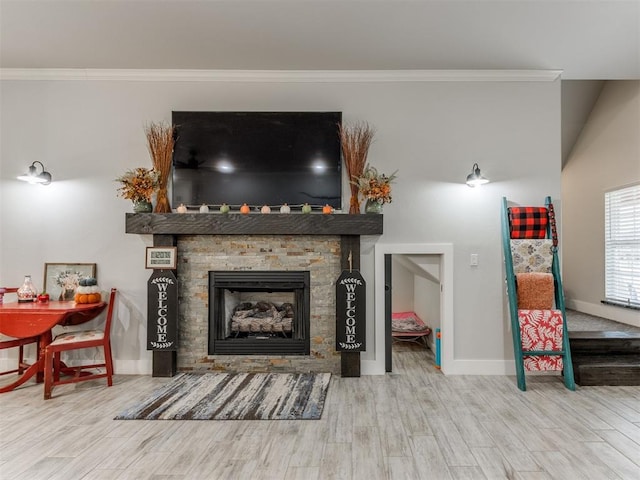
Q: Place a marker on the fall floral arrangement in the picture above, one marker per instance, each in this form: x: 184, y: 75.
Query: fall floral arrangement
x: 375, y: 186
x: 138, y: 184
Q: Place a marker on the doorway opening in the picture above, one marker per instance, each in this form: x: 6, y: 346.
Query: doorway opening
x: 415, y: 278
x: 412, y: 302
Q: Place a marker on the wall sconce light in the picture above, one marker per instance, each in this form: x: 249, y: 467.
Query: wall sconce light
x: 475, y: 178
x: 43, y: 178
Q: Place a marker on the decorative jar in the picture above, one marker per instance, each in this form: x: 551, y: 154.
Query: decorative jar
x: 27, y: 292
x: 373, y: 206
x: 142, y: 206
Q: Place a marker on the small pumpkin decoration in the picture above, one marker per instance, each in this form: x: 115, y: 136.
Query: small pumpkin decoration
x: 88, y: 291
x: 306, y: 208
x: 224, y: 208
x: 265, y: 209
x: 204, y: 208
x: 327, y: 209
x: 88, y: 297
x: 245, y: 208
x: 181, y: 208
x: 285, y: 208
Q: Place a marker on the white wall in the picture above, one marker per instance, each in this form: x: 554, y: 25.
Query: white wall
x: 606, y: 156
x: 416, y: 286
x: 87, y: 132
x: 402, y: 285
x: 427, y: 290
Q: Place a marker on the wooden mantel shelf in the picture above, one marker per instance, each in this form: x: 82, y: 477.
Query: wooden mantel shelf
x: 253, y: 224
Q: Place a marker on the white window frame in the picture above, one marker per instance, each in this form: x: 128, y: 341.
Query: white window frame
x: 622, y: 246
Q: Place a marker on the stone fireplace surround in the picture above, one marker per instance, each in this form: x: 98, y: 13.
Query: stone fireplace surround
x: 318, y: 243
x: 198, y: 254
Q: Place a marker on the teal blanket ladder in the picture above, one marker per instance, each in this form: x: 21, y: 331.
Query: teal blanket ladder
x: 519, y: 352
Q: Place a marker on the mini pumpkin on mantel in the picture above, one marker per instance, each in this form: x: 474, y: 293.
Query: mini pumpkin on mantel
x: 88, y: 291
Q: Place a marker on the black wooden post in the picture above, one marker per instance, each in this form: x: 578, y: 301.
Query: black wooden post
x: 165, y: 362
x: 350, y: 244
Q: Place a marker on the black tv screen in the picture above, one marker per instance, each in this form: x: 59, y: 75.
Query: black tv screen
x: 258, y: 158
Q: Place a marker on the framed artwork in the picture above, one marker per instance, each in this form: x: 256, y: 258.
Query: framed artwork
x: 161, y: 258
x: 61, y: 279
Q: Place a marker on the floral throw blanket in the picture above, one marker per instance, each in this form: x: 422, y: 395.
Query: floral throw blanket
x: 541, y: 330
x: 404, y: 322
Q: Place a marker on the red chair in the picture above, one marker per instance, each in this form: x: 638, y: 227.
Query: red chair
x: 10, y: 342
x: 75, y: 341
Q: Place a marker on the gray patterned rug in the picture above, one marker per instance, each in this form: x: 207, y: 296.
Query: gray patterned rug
x: 235, y: 396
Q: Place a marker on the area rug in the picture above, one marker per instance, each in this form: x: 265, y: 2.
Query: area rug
x: 235, y: 396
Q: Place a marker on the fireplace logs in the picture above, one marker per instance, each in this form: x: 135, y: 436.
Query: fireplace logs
x: 262, y: 317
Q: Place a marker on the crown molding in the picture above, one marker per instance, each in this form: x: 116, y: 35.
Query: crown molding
x: 347, y: 76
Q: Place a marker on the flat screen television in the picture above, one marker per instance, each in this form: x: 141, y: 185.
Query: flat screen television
x: 258, y: 158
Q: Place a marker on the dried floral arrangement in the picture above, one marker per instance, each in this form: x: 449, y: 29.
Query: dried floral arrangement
x: 375, y: 186
x: 139, y: 184
x: 160, y: 143
x: 355, y: 140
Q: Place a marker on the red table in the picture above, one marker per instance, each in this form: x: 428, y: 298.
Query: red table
x: 21, y: 320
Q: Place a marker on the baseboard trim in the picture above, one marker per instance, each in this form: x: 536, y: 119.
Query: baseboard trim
x: 10, y: 362
x: 133, y: 367
x: 368, y: 367
x: 121, y: 367
x: 456, y: 367
x: 610, y: 312
x: 481, y: 367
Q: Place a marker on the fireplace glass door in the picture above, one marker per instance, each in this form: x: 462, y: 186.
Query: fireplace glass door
x: 259, y: 313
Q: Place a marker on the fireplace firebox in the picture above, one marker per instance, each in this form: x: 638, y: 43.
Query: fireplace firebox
x: 259, y: 312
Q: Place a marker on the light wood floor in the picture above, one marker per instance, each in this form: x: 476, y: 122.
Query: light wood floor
x: 413, y: 424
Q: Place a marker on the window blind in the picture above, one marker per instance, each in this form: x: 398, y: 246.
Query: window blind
x: 622, y: 246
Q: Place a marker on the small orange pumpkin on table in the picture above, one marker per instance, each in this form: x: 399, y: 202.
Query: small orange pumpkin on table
x: 88, y: 291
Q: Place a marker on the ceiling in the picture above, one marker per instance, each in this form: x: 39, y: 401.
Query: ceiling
x: 590, y: 39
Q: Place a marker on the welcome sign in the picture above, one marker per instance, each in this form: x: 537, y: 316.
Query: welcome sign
x: 162, y: 311
x: 350, y: 312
